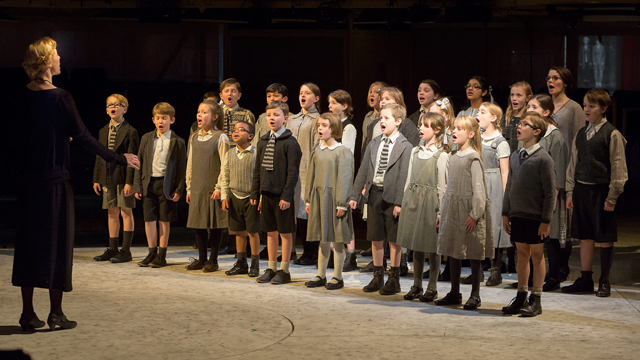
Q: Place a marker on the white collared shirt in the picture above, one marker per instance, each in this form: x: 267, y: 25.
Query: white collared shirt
x: 279, y: 132
x: 379, y: 179
x: 349, y: 137
x: 531, y: 149
x: 550, y: 128
x: 160, y: 153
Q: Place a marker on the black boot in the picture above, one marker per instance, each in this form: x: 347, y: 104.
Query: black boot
x: 495, y: 278
x: 534, y: 307
x: 153, y: 252
x: 160, y: 259
x: 378, y: 280
x: 109, y: 252
x: 239, y: 268
x: 516, y: 304
x: 392, y: 286
x: 604, y: 288
x: 404, y: 268
x: 350, y: 262
x: 254, y: 271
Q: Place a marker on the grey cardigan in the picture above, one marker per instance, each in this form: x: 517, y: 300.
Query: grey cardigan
x: 394, y: 178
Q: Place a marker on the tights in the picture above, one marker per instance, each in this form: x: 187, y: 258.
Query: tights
x: 455, y: 266
x: 418, y: 269
x: 55, y: 299
x: 203, y: 239
x: 338, y: 259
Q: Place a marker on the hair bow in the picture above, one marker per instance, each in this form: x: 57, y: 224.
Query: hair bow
x: 443, y: 103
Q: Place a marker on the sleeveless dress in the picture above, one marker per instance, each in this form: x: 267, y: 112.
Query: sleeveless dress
x: 493, y: 179
x: 204, y: 212
x: 417, y: 225
x: 453, y: 239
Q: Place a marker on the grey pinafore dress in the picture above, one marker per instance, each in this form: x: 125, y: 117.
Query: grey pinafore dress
x: 417, y: 225
x: 453, y: 239
x: 204, y: 212
x: 555, y: 146
x: 493, y: 179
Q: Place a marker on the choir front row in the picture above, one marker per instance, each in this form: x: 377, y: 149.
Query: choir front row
x: 463, y: 204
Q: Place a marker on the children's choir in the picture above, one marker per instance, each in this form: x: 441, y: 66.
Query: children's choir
x: 464, y: 187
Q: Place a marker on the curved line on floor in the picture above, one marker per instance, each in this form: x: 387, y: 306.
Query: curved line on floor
x: 293, y: 327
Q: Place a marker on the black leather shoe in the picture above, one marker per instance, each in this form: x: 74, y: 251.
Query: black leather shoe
x: 473, y: 303
x: 150, y: 257
x: 338, y: 284
x: 413, y: 293
x: 266, y: 277
x: 106, y: 255
x: 29, y: 323
x: 122, y: 257
x: 239, y: 268
x: 581, y: 285
x: 430, y: 295
x: 281, y: 278
x: 604, y: 288
x: 534, y: 308
x: 377, y: 282
x: 392, y: 286
x: 306, y: 260
x: 60, y: 321
x: 450, y: 299
x: 159, y: 261
x: 551, y: 285
x: 254, y: 270
x: 516, y: 304
x: 316, y: 282
x: 350, y: 262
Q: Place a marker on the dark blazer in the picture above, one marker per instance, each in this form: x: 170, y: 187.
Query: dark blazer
x: 286, y: 167
x: 176, y: 172
x: 127, y: 141
x: 415, y: 117
x: 407, y: 128
x: 394, y: 178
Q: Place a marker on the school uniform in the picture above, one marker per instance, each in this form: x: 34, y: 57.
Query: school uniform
x: 349, y: 135
x: 162, y: 173
x: 415, y: 117
x: 469, y: 112
x: 262, y: 127
x: 232, y: 116
x: 369, y: 118
x: 596, y: 173
x: 235, y: 187
x: 121, y: 138
x: 510, y: 131
x: 384, y: 186
x: 530, y: 193
x: 270, y: 185
x: 553, y: 143
x: 495, y: 148
x: 407, y: 128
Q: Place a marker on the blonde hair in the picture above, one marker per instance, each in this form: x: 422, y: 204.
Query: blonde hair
x: 381, y: 84
x: 123, y: 100
x: 539, y: 123
x: 527, y: 94
x: 437, y: 123
x: 163, y: 108
x: 335, y: 124
x: 494, y: 110
x: 397, y: 111
x: 448, y: 110
x: 395, y: 93
x: 38, y: 55
x: 471, y: 125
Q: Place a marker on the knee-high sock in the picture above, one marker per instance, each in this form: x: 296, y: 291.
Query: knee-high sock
x: 339, y: 255
x: 434, y: 271
x: 566, y: 253
x: 201, y: 240
x: 214, y: 239
x: 323, y: 259
x: 418, y: 268
x: 127, y: 238
x: 497, y: 261
x: 606, y: 259
x: 554, y: 254
x: 476, y: 275
x: 455, y: 268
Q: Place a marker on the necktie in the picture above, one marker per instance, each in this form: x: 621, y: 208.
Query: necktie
x: 591, y: 132
x: 227, y: 119
x: 112, y: 137
x: 384, y: 158
x: 267, y: 162
x: 523, y: 155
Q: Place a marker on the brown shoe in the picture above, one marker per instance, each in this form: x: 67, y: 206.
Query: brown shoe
x: 210, y: 266
x: 495, y: 278
x: 196, y: 264
x: 604, y: 288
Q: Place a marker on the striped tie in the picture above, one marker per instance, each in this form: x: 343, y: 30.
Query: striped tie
x: 267, y: 162
x: 112, y: 137
x: 227, y: 119
x: 384, y: 158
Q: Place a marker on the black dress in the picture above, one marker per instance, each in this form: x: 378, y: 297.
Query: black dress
x: 45, y: 232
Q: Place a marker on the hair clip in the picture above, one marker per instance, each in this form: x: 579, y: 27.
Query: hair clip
x: 443, y: 103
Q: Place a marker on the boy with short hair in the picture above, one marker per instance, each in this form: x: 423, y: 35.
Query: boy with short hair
x: 274, y: 181
x: 160, y: 180
x: 230, y: 93
x: 383, y: 174
x: 235, y: 187
x: 275, y: 92
x: 115, y: 181
x: 527, y: 208
x: 596, y: 176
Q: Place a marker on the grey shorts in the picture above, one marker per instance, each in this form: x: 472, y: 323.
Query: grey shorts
x: 114, y: 197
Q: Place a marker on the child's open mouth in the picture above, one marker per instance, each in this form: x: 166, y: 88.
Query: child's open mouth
x: 421, y: 99
x: 303, y: 100
x: 478, y: 120
x: 514, y: 104
x: 113, y: 112
x: 421, y: 134
x: 519, y: 133
x: 382, y: 126
x: 199, y: 122
x: 320, y: 133
x: 454, y: 137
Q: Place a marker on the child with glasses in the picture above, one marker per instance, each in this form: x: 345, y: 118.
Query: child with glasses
x: 478, y: 91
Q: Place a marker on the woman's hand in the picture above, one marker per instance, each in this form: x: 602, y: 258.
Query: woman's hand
x: 132, y: 161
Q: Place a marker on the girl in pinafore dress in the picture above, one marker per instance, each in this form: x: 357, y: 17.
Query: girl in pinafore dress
x: 465, y: 223
x: 329, y: 179
x: 553, y: 142
x: 207, y: 147
x: 426, y: 181
x: 495, y: 155
x: 444, y: 107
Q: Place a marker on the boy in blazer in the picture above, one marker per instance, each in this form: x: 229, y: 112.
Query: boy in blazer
x: 383, y: 174
x: 160, y: 181
x: 115, y: 181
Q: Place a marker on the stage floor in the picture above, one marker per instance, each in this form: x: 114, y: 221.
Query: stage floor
x: 127, y: 312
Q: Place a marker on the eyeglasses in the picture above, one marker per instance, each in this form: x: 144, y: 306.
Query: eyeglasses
x: 523, y: 124
x: 554, y: 77
x: 115, y: 105
x: 240, y: 130
x: 469, y: 86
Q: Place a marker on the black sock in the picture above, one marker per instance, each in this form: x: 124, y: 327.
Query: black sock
x: 153, y: 250
x: 530, y: 271
x: 242, y: 256
x: 127, y: 238
x: 606, y: 259
x: 455, y: 268
x: 113, y: 243
x: 255, y: 257
x: 511, y: 256
x: 497, y: 262
x: 476, y: 275
x: 566, y: 253
x: 587, y: 275
x: 554, y: 254
x: 201, y: 240
x: 214, y: 240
